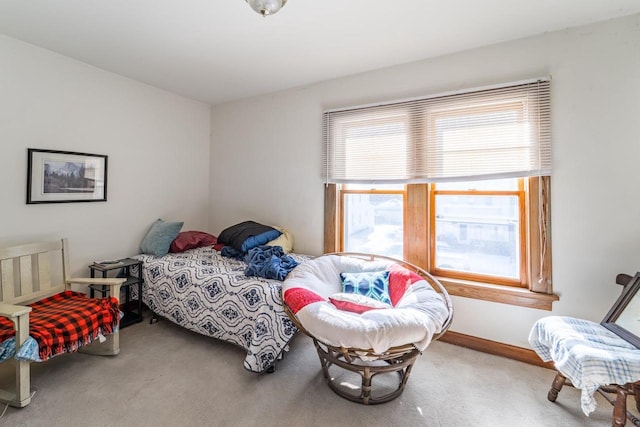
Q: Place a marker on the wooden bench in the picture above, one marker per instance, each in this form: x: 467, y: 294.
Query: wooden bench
x: 29, y: 273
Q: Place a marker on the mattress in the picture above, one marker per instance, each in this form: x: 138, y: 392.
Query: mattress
x: 207, y: 293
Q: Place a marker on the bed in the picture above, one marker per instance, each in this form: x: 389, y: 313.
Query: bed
x: 205, y: 292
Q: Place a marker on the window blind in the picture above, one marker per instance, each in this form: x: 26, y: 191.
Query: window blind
x: 484, y: 133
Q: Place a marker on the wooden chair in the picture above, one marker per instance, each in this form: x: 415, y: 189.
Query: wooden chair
x: 615, y: 394
x: 581, y: 349
x: 29, y: 273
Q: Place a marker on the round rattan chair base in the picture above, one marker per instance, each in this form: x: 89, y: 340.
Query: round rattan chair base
x: 399, y: 361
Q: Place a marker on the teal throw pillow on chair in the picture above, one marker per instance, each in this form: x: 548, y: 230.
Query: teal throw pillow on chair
x: 373, y: 284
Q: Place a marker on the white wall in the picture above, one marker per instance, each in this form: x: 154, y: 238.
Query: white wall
x: 157, y: 143
x: 266, y: 154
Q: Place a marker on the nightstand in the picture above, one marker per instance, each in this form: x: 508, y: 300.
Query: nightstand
x: 124, y: 270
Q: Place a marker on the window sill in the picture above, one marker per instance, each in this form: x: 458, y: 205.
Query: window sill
x: 498, y: 293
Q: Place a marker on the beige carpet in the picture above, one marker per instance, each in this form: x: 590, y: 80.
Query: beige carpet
x: 167, y: 376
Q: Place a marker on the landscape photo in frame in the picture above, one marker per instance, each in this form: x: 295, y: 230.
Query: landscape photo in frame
x: 65, y: 176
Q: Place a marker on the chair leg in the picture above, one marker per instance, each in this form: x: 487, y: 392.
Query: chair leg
x: 620, y: 407
x: 636, y: 394
x: 110, y: 347
x: 23, y: 368
x: 556, y: 386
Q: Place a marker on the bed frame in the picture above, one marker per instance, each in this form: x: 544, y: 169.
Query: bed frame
x: 32, y: 272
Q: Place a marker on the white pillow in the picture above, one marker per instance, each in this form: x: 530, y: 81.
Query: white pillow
x: 285, y: 240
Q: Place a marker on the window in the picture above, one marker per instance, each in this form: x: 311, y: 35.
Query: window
x: 478, y: 231
x: 372, y: 220
x: 456, y: 183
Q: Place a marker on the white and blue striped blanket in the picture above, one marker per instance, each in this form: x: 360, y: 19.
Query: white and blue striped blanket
x: 587, y: 353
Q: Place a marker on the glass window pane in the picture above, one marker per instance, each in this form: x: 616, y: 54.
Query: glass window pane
x: 368, y: 187
x: 373, y: 223
x: 508, y: 184
x: 478, y: 234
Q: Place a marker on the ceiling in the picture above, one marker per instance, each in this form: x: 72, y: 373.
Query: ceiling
x: 221, y: 50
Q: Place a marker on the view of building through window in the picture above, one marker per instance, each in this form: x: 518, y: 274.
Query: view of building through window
x: 478, y: 234
x: 477, y: 225
x: 373, y: 222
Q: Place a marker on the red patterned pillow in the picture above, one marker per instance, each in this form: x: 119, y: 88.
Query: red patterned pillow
x: 400, y: 279
x: 192, y: 239
x: 356, y: 303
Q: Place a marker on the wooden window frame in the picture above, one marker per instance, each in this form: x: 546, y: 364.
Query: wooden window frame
x: 342, y: 204
x: 520, y: 194
x: 538, y: 292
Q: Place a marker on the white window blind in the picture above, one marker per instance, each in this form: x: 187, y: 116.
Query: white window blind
x: 484, y: 133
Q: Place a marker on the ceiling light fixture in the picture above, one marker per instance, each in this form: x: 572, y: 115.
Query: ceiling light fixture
x: 266, y: 7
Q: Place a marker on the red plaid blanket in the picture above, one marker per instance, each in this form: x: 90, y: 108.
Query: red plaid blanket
x: 66, y: 321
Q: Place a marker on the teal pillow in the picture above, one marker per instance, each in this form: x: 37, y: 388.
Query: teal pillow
x: 373, y: 284
x: 159, y: 238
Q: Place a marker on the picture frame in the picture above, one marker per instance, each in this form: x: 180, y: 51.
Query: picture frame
x: 65, y: 176
x: 623, y: 319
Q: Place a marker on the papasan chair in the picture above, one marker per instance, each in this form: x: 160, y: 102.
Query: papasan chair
x: 367, y: 315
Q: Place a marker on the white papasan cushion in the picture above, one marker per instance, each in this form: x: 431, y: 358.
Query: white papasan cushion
x: 419, y: 315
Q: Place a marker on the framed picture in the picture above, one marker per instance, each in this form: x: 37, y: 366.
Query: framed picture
x: 65, y: 176
x: 624, y: 317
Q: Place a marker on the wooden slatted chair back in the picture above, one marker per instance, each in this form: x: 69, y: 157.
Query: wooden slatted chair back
x: 33, y: 271
x: 29, y: 273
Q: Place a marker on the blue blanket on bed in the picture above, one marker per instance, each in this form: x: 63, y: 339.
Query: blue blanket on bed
x: 265, y: 261
x: 230, y: 252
